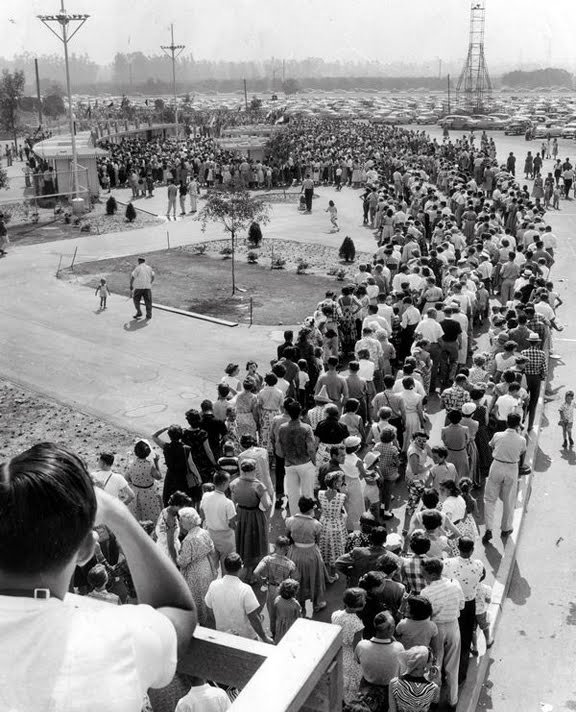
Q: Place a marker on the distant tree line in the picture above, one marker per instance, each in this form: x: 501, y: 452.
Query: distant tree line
x: 551, y: 77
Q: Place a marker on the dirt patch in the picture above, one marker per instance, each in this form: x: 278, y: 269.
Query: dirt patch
x: 27, y: 418
x: 202, y: 282
x: 52, y: 227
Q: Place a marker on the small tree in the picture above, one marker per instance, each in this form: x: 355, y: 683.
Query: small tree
x: 130, y: 213
x: 236, y: 209
x: 11, y: 91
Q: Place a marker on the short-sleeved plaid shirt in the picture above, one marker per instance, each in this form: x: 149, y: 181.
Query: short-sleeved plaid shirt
x: 412, y: 575
x: 536, y: 365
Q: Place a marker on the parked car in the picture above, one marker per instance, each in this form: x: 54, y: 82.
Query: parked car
x: 426, y: 118
x: 569, y: 131
x: 517, y: 127
x: 543, y: 131
x: 458, y: 122
x: 484, y: 122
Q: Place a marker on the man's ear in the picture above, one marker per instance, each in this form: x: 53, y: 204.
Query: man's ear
x: 86, y: 550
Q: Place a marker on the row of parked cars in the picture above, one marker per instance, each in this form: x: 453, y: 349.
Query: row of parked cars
x: 539, y: 126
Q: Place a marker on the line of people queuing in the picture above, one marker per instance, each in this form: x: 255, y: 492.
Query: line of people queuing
x: 330, y: 430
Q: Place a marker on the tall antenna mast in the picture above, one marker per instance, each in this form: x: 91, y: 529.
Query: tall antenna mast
x: 474, y: 83
x: 173, y: 51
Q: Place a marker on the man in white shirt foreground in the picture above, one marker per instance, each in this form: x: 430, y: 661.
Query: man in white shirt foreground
x: 203, y: 697
x: 447, y: 601
x: 84, y: 654
x: 234, y: 603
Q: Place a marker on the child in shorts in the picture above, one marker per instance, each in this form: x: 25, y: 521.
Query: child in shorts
x: 567, y: 418
x: 483, y: 597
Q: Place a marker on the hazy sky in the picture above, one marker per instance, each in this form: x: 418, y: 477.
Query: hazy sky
x: 387, y: 30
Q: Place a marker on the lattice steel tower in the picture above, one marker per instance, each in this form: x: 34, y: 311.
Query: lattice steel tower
x: 474, y: 83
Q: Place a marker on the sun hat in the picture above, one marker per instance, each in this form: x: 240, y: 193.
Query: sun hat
x: 322, y: 396
x: 468, y: 408
x: 352, y: 441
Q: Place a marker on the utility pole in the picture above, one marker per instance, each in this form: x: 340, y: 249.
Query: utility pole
x: 38, y: 92
x: 245, y: 96
x: 449, y: 94
x: 66, y: 22
x: 173, y: 51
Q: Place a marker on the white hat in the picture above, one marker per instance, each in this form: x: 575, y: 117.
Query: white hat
x: 352, y: 441
x: 468, y: 408
x: 533, y: 336
x: 370, y: 459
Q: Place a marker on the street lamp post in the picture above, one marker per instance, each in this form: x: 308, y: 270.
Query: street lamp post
x: 173, y: 51
x: 66, y: 21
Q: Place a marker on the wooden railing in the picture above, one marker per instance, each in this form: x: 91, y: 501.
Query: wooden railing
x: 302, y: 672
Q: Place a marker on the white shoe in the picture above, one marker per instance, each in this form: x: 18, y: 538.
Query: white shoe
x: 555, y: 356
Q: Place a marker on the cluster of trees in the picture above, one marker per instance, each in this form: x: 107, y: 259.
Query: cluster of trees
x: 14, y: 104
x: 551, y: 77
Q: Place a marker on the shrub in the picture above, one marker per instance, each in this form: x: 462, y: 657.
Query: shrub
x: 278, y: 263
x: 77, y: 221
x: 226, y: 252
x: 200, y: 249
x: 347, y: 250
x: 67, y: 217
x: 85, y: 228
x: 254, y: 235
x: 252, y: 258
x: 332, y: 271
x: 341, y: 275
x: 130, y: 213
x: 111, y: 206
x: 302, y: 266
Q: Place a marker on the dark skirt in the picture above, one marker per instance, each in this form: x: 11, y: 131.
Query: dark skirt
x: 251, y: 536
x: 310, y: 573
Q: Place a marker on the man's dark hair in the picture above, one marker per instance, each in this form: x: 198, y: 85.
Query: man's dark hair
x: 431, y: 520
x: 433, y: 566
x: 513, y: 420
x: 288, y: 335
x: 233, y: 563
x: 420, y: 608
x: 206, y: 406
x: 220, y: 478
x: 377, y: 536
x: 293, y: 409
x: 420, y: 544
x: 107, y: 458
x: 47, y: 508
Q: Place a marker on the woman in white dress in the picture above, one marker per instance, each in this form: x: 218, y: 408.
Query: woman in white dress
x: 354, y: 473
x: 413, y: 412
x: 193, y: 193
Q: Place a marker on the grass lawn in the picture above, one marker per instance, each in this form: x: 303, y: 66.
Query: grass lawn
x: 202, y: 283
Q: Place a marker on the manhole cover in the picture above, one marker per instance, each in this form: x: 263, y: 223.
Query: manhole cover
x: 143, y: 410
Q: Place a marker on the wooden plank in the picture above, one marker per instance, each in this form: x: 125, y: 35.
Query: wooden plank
x: 293, y: 670
x: 223, y: 658
x: 195, y: 315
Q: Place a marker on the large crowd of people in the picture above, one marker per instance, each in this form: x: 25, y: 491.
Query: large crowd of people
x: 455, y: 313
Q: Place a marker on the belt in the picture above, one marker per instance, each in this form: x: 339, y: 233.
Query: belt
x: 506, y: 462
x: 240, y: 506
x: 450, y: 449
x: 300, y: 545
x: 143, y: 486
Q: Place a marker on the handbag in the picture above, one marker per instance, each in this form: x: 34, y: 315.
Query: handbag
x: 193, y: 478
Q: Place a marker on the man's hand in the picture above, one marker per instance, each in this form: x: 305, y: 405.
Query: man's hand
x: 268, y: 640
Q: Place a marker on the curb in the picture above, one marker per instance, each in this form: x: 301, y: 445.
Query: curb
x: 195, y: 315
x: 470, y: 693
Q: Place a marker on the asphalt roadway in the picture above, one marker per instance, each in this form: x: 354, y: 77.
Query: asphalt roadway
x: 125, y: 372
